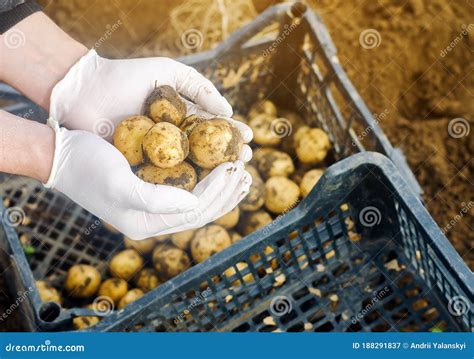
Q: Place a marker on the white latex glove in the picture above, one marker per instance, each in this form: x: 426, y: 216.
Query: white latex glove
x: 98, y: 93
x: 94, y: 174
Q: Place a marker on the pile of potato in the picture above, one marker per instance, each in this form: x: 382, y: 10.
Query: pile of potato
x: 172, y: 149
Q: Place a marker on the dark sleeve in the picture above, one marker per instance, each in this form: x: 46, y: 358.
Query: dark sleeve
x: 13, y: 11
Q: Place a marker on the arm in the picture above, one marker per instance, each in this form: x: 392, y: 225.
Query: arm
x: 26, y: 147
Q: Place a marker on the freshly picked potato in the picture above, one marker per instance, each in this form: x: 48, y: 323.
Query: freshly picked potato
x: 182, y: 175
x: 213, y: 142
x: 143, y: 247
x: 263, y: 106
x: 208, y: 241
x: 79, y: 323
x: 263, y: 130
x: 234, y: 236
x: 311, y: 145
x: 169, y: 261
x: 47, y: 292
x: 165, y: 105
x: 281, y: 194
x: 131, y: 296
x: 309, y: 181
x: 113, y: 288
x: 275, y: 163
x: 82, y: 281
x: 147, y: 279
x: 165, y: 145
x: 256, y: 196
x: 190, y: 123
x: 202, y: 173
x: 231, y: 272
x: 128, y: 137
x: 182, y: 239
x: 126, y: 264
x: 251, y: 221
x: 230, y: 219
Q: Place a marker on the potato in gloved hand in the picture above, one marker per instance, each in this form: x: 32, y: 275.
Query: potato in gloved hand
x: 165, y: 105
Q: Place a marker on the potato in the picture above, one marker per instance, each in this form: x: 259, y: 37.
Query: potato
x: 165, y: 105
x: 182, y: 239
x: 251, y: 221
x: 239, y: 118
x: 230, y: 219
x: 131, y: 296
x: 143, y: 247
x: 165, y: 145
x: 181, y: 176
x: 311, y: 145
x: 263, y: 106
x: 128, y: 137
x: 47, y: 292
x: 259, y: 153
x: 208, y: 241
x: 256, y: 196
x: 263, y: 130
x: 113, y: 288
x: 169, y: 261
x: 126, y: 264
x: 275, y: 163
x: 82, y: 281
x: 309, y: 181
x: 202, y: 173
x: 234, y: 236
x: 190, y: 123
x: 147, y: 279
x: 268, y: 251
x: 231, y: 272
x: 281, y: 194
x: 214, y: 142
x: 84, y: 322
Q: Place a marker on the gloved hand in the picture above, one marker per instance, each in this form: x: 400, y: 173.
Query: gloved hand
x: 94, y: 174
x: 98, y: 93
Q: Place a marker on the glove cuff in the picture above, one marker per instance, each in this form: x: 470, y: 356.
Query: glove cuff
x: 50, y: 183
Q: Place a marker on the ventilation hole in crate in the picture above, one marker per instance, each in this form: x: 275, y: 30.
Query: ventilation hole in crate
x: 260, y: 317
x: 412, y: 292
x: 420, y: 304
x: 326, y: 327
x: 245, y: 327
x: 400, y: 314
x: 288, y: 317
x: 307, y: 305
x: 300, y: 293
x: 298, y: 327
x: 317, y: 316
x: 343, y: 268
x: 382, y: 327
x: 412, y: 326
x: 354, y: 327
x: 49, y: 311
x: 430, y: 315
x: 372, y: 316
x: 268, y: 328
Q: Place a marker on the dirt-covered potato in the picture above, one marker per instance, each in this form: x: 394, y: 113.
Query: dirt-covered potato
x: 128, y: 137
x: 126, y: 264
x: 229, y: 220
x: 213, y: 142
x: 147, y: 279
x: 169, y: 261
x: 113, y: 288
x: 263, y: 130
x: 309, y: 181
x: 47, y: 292
x: 165, y: 105
x: 311, y: 145
x: 281, y: 194
x: 234, y: 236
x: 251, y: 221
x: 82, y: 281
x: 182, y: 239
x: 231, y: 273
x: 84, y: 322
x: 256, y: 196
x: 263, y: 106
x: 165, y: 145
x: 131, y: 296
x: 275, y: 163
x: 182, y: 175
x: 208, y: 241
x: 143, y: 247
x: 190, y: 122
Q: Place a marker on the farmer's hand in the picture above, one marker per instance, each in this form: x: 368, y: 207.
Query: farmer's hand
x: 94, y: 174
